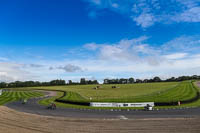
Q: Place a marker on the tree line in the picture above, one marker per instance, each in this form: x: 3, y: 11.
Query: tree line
x: 155, y: 79
x: 32, y: 83
x: 84, y: 81
x: 57, y: 82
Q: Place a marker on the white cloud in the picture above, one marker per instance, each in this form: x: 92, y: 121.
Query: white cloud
x: 137, y: 57
x: 133, y: 50
x: 175, y: 56
x: 114, y: 52
x: 115, y: 5
x: 189, y: 3
x: 190, y: 15
x: 132, y: 57
x: 146, y: 49
x: 183, y: 44
x: 69, y: 68
x: 91, y: 46
x: 147, y: 13
x: 145, y: 20
x: 127, y: 57
x: 13, y: 71
x: 35, y: 65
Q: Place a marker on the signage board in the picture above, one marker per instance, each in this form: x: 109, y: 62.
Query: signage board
x: 98, y: 104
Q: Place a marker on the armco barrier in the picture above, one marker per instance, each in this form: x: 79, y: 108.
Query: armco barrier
x: 73, y: 102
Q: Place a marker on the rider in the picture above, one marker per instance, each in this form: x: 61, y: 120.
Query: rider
x: 53, y: 106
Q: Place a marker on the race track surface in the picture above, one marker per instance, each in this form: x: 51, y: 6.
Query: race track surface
x: 12, y: 121
x: 33, y: 107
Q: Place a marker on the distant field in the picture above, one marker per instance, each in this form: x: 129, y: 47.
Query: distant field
x: 106, y: 92
x: 172, y: 93
x: 10, y: 96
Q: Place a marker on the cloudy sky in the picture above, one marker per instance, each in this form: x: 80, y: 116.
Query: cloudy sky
x: 96, y: 39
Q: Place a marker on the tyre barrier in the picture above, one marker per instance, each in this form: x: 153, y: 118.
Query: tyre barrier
x: 73, y: 102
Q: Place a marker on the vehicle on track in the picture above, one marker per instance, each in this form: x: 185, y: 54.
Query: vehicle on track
x: 148, y: 108
x: 52, y: 106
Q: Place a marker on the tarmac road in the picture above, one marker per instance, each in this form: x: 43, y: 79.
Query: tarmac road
x: 33, y: 107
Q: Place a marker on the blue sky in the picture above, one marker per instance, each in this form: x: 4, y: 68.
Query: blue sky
x: 96, y: 39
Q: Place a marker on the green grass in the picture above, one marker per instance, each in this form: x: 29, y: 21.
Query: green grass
x: 10, y: 96
x: 74, y: 97
x: 181, y: 92
x: 146, y: 92
x: 193, y: 104
x: 107, y: 92
x: 47, y: 101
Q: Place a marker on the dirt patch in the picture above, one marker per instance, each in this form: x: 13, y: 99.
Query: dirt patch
x: 52, y: 93
x: 49, y: 93
x: 18, y: 122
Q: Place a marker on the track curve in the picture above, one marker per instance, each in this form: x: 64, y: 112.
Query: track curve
x: 33, y: 107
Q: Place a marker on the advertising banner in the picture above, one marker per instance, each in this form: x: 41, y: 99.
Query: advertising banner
x: 97, y: 104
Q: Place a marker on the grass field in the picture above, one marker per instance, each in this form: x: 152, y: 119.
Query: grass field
x: 9, y: 96
x: 84, y: 92
x: 146, y: 92
x: 182, y: 92
x: 170, y: 93
x: 179, y: 92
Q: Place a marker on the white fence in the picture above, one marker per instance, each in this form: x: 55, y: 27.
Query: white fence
x: 97, y: 104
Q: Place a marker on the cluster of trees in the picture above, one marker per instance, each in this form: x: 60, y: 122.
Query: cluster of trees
x: 57, y: 82
x: 183, y: 78
x: 32, y: 83
x: 155, y: 79
x: 119, y: 81
x: 83, y: 81
x: 131, y: 81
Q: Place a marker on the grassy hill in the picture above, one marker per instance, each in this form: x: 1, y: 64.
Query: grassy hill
x: 170, y: 92
x: 107, y: 92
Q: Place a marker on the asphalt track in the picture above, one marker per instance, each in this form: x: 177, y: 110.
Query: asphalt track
x: 33, y: 107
